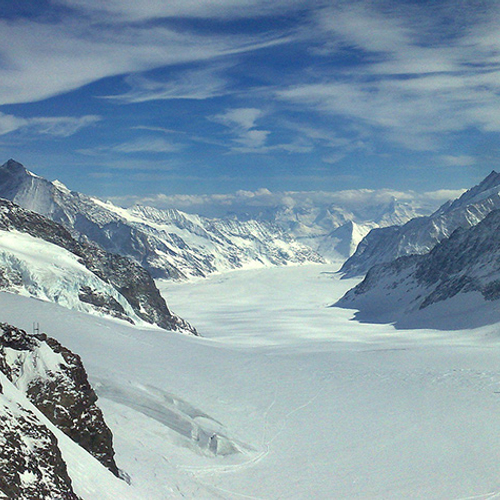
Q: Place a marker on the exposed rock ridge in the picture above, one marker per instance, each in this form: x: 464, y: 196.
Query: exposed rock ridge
x: 55, y: 381
x: 467, y: 261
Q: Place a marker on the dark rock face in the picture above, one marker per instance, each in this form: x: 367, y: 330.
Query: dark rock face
x: 57, y: 384
x: 31, y: 464
x: 132, y: 281
x: 109, y: 305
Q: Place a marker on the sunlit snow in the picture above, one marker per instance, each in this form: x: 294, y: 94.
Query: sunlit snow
x: 285, y: 397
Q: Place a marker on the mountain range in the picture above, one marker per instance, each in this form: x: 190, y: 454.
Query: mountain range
x: 455, y: 285
x: 421, y: 234
x: 168, y: 243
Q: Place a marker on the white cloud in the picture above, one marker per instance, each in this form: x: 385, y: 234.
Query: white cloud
x: 240, y: 118
x: 75, y: 52
x: 249, y: 202
x: 60, y: 126
x: 242, y: 122
x: 195, y: 84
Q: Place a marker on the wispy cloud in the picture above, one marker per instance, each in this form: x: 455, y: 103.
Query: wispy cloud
x: 194, y: 84
x: 458, y: 160
x: 131, y: 10
x: 147, y: 145
x: 78, y: 51
x: 60, y: 126
x: 249, y: 202
x: 411, y: 86
x: 139, y: 145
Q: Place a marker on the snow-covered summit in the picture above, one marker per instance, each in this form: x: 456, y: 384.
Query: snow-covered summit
x: 421, y: 234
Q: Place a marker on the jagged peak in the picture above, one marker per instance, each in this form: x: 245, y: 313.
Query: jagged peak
x: 13, y: 166
x: 487, y: 187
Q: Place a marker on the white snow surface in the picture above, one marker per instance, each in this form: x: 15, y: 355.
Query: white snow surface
x: 285, y: 397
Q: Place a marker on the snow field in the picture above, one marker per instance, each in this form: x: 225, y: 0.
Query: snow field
x: 316, y: 405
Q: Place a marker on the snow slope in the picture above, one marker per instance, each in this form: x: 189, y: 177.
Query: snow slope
x: 305, y: 402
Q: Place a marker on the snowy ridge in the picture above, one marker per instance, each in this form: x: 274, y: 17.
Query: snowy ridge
x: 450, y: 287
x: 169, y: 243
x: 421, y: 234
x: 41, y: 259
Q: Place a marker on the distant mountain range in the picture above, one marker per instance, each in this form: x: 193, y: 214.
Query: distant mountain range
x: 168, y: 243
x: 421, y: 234
x: 332, y: 230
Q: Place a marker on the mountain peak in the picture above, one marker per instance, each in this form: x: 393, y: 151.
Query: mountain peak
x: 12, y: 164
x: 13, y: 168
x: 492, y: 181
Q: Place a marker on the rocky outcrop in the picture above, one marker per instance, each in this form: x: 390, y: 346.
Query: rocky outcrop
x: 420, y: 235
x: 55, y: 381
x: 31, y: 464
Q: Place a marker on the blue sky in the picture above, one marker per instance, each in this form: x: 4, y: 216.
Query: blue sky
x: 121, y: 98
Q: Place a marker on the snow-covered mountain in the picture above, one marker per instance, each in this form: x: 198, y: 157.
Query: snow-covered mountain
x: 333, y: 230
x: 48, y: 418
x: 421, y: 234
x: 169, y: 243
x: 451, y: 286
x: 41, y: 259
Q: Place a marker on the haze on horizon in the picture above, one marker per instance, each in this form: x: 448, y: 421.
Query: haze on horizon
x: 212, y: 97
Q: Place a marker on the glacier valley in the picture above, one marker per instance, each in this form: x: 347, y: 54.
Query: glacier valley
x: 283, y: 396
